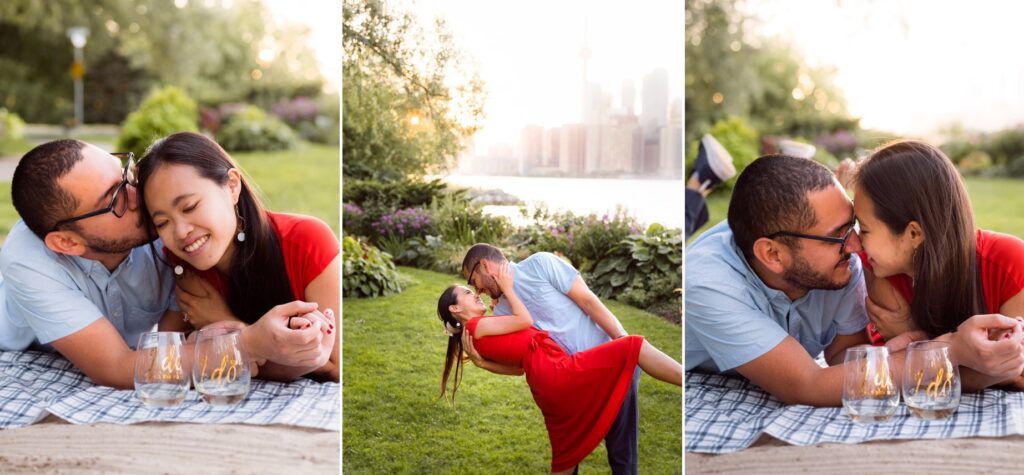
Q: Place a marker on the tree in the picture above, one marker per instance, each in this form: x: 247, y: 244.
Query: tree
x: 211, y: 51
x: 410, y: 99
x: 732, y: 73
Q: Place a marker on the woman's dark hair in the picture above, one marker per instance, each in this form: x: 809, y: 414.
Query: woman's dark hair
x: 908, y: 181
x: 258, y: 279
x: 453, y: 357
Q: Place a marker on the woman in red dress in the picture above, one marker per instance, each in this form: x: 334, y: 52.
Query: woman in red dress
x: 579, y: 395
x: 927, y: 268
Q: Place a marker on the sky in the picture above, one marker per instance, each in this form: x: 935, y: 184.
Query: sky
x: 323, y: 17
x: 528, y: 53
x: 912, y: 66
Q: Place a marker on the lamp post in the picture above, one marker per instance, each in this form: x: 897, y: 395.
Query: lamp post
x: 78, y: 36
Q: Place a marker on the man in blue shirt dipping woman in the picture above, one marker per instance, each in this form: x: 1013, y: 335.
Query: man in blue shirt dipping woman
x: 779, y: 282
x: 80, y: 277
x: 561, y: 304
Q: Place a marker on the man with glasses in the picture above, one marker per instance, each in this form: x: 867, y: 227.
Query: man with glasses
x: 561, y: 304
x: 779, y: 282
x: 79, y: 274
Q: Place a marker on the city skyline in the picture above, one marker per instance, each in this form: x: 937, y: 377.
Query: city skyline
x: 610, y: 139
x: 530, y: 56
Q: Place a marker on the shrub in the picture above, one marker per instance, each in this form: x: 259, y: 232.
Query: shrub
x: 1006, y: 145
x: 12, y: 128
x: 352, y: 219
x: 1016, y: 168
x: 12, y: 134
x: 404, y: 223
x: 164, y: 112
x: 958, y: 149
x: 391, y: 231
x: 367, y: 272
x: 461, y: 222
x: 315, y: 121
x: 974, y: 163
x: 838, y: 143
x: 391, y: 194
x: 594, y: 237
x: 252, y: 129
x: 583, y: 240
x: 643, y: 269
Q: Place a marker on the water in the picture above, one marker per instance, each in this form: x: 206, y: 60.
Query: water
x: 161, y: 394
x: 649, y: 200
x: 871, y: 410
x: 931, y: 410
x: 223, y: 394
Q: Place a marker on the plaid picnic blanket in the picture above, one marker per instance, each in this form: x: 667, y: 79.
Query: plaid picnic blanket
x: 34, y: 384
x: 725, y: 414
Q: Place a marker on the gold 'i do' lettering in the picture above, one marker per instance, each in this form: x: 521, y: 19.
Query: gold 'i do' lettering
x: 227, y: 372
x: 169, y: 368
x: 880, y: 384
x: 941, y: 385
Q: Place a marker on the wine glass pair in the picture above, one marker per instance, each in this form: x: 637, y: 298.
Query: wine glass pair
x: 930, y: 385
x: 219, y: 371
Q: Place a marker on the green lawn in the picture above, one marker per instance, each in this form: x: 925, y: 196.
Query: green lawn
x: 998, y: 205
x: 301, y: 181
x: 393, y: 423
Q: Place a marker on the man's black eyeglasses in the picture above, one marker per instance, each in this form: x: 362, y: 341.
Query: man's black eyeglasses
x: 469, y: 281
x: 836, y: 240
x: 119, y: 201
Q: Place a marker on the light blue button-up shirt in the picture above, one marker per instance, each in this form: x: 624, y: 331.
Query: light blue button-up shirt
x: 45, y: 296
x: 542, y: 281
x: 732, y: 317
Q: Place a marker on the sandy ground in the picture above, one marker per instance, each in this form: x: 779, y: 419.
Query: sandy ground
x: 961, y: 456
x: 54, y: 446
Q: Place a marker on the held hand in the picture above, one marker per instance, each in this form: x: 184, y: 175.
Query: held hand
x: 200, y: 302
x: 890, y: 323
x: 310, y: 345
x: 504, y: 277
x: 972, y: 348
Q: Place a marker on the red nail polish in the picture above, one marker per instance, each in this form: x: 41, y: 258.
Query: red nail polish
x: 309, y: 325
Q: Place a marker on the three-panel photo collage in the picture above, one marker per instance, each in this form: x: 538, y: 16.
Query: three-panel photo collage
x: 452, y: 236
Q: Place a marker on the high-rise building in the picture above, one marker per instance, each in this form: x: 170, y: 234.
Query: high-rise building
x: 531, y: 140
x: 571, y: 149
x: 628, y: 99
x: 550, y: 148
x: 655, y: 103
x: 672, y: 142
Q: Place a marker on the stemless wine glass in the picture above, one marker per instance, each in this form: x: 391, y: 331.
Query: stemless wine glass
x: 931, y: 382
x: 159, y: 378
x: 219, y: 370
x: 869, y: 393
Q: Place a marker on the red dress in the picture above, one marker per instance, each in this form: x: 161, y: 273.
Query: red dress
x: 579, y: 395
x: 1000, y: 259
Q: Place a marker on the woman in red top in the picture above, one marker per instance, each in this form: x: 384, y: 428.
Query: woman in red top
x: 579, y: 395
x: 213, y: 225
x: 921, y: 246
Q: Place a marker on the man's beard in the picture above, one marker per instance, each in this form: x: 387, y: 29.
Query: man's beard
x: 802, y: 276
x: 115, y: 246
